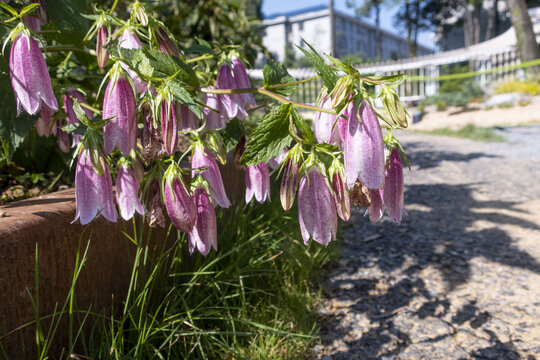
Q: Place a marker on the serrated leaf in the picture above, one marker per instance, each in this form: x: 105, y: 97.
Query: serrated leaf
x: 66, y: 15
x: 232, y: 133
x: 386, y: 79
x: 270, y: 137
x: 340, y: 65
x: 307, y: 134
x: 275, y: 73
x: 184, y: 97
x: 327, y: 74
x: 158, y: 64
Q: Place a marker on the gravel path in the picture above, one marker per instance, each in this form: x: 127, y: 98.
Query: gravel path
x: 460, y: 278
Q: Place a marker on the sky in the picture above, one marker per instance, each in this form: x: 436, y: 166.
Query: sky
x: 270, y: 7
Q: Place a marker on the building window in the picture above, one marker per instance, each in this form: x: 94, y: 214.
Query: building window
x: 301, y: 26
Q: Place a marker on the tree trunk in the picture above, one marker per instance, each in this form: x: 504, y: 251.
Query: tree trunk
x: 476, y: 21
x: 492, y: 16
x: 526, y: 40
x: 468, y: 25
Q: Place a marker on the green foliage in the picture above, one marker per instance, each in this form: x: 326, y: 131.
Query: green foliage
x: 65, y: 15
x: 275, y: 73
x: 470, y: 91
x: 254, y: 299
x: 469, y: 132
x: 327, y: 74
x: 270, y: 137
x: 531, y: 88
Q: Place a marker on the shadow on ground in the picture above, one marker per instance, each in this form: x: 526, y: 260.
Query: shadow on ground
x: 439, y: 234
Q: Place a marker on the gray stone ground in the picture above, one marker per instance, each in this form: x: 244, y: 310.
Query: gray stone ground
x: 460, y: 278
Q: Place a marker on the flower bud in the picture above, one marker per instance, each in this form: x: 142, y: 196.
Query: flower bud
x: 93, y: 193
x: 127, y: 193
x: 169, y: 130
x: 33, y: 23
x: 204, y: 233
x: 341, y: 197
x: 316, y: 208
x: 180, y: 205
x: 341, y: 91
x: 364, y: 148
x: 119, y: 105
x: 203, y: 159
x: 289, y: 182
x: 140, y: 13
x: 166, y: 45
x: 397, y: 113
x: 101, y: 41
x: 393, y: 188
x: 62, y: 137
x: 29, y: 75
x: 257, y: 182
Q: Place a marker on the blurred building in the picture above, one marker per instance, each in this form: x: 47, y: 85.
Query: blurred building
x: 351, y: 35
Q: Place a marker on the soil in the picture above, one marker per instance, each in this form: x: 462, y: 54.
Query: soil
x: 460, y: 277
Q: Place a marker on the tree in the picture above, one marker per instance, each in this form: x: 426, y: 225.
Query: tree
x: 526, y: 40
x: 412, y: 16
x: 367, y: 9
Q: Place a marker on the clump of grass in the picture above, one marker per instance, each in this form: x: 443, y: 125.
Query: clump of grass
x: 469, y: 132
x: 253, y: 299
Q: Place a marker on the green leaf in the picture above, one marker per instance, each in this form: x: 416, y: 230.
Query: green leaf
x: 307, y: 134
x: 270, y: 137
x: 391, y: 80
x: 232, y: 133
x: 274, y: 74
x: 66, y: 15
x: 184, y: 97
x: 155, y: 63
x: 9, y: 9
x: 340, y: 65
x: 327, y: 74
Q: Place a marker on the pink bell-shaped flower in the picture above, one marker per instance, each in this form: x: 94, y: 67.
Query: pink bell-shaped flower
x: 242, y: 80
x: 93, y: 193
x: 364, y: 148
x: 289, y: 183
x: 276, y: 160
x: 341, y: 197
x: 316, y: 208
x: 119, y: 104
x: 257, y: 182
x: 127, y: 193
x: 204, y: 233
x: 45, y: 124
x: 70, y: 113
x: 203, y: 159
x: 326, y: 125
x: 101, y: 41
x: 29, y: 75
x: 188, y: 120
x: 169, y: 129
x: 376, y: 206
x: 179, y: 203
x: 393, y: 188
x: 233, y: 104
x: 62, y: 137
x: 130, y: 40
x: 214, y: 120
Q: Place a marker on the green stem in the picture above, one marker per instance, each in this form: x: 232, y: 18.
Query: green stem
x: 277, y: 86
x: 91, y: 108
x: 113, y: 7
x: 268, y: 93
x: 202, y: 57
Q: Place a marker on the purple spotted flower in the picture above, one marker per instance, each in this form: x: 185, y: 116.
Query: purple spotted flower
x: 233, y: 104
x: 127, y: 193
x: 393, y: 188
x: 188, y: 120
x: 70, y: 113
x: 179, y: 203
x: 257, y: 182
x: 204, y: 233
x: 242, y: 80
x: 203, y: 159
x: 93, y: 193
x: 316, y: 208
x: 326, y: 125
x: 119, y: 104
x: 29, y: 75
x: 62, y: 137
x: 214, y: 113
x: 45, y: 124
x: 341, y: 197
x: 376, y: 206
x: 130, y: 40
x: 364, y: 148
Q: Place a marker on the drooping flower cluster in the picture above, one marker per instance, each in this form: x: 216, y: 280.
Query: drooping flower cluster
x: 161, y: 124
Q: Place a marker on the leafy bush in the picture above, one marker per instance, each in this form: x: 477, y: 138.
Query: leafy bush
x: 531, y: 88
x: 468, y: 93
